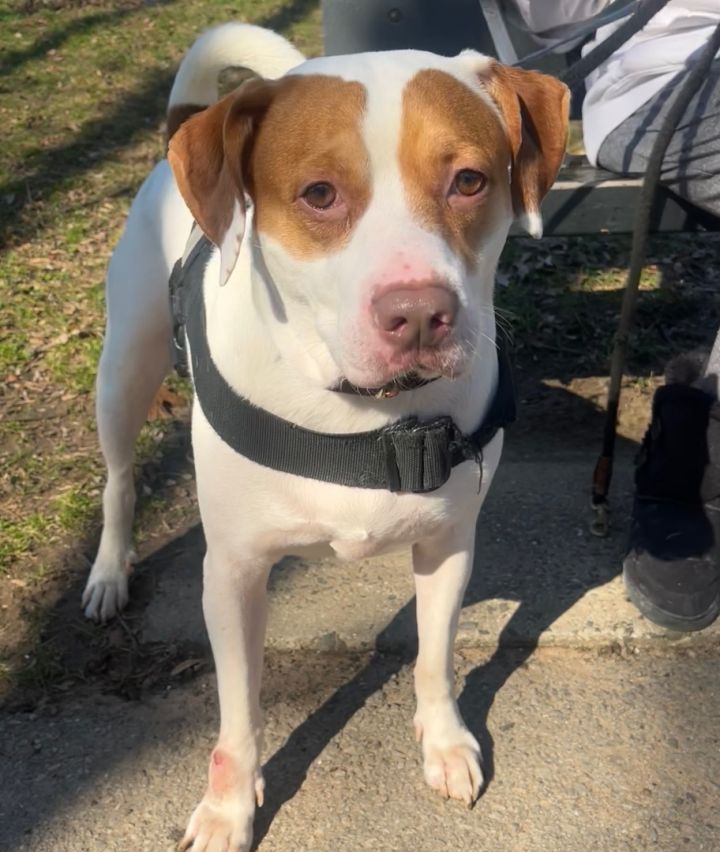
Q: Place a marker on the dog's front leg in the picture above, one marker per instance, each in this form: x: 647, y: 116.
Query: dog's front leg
x: 451, y: 754
x: 235, y: 607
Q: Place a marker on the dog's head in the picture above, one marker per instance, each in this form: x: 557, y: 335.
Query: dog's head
x: 382, y: 189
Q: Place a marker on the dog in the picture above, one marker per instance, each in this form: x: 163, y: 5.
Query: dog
x: 356, y: 207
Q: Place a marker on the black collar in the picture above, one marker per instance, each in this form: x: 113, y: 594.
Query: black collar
x: 407, y: 456
x: 387, y: 391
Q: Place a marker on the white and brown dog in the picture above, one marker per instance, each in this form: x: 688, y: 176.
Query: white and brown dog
x: 359, y: 205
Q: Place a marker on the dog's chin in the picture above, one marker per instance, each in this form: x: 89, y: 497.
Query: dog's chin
x: 412, y: 371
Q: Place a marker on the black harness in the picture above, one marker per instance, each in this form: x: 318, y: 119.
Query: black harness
x: 407, y: 456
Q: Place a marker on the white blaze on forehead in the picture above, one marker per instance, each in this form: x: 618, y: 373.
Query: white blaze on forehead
x: 393, y: 68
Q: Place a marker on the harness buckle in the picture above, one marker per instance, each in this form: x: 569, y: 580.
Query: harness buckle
x: 418, y: 456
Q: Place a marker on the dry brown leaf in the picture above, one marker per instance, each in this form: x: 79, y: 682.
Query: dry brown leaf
x: 164, y: 403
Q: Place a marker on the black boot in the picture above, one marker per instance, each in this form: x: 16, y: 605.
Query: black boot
x: 672, y: 568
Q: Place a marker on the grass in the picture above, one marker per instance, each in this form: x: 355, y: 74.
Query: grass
x: 17, y: 537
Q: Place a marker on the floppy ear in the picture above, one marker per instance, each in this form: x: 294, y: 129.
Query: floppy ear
x: 208, y: 156
x: 535, y: 108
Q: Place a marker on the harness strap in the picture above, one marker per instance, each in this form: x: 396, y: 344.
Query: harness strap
x: 407, y: 456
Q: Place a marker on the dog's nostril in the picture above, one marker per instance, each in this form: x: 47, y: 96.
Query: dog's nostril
x: 395, y: 324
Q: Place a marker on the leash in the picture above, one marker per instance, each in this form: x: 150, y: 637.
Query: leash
x: 574, y: 33
x: 410, y: 456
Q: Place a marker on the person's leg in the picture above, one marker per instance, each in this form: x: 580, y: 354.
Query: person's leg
x: 672, y: 567
x: 691, y: 166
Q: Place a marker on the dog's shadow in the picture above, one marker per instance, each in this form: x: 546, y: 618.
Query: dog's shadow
x: 550, y: 562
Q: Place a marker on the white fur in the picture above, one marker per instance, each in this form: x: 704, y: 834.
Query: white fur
x: 532, y: 222
x: 230, y: 246
x: 280, y: 331
x: 230, y: 46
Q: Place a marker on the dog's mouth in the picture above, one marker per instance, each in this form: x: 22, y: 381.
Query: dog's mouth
x: 407, y: 371
x: 405, y: 382
x: 411, y: 373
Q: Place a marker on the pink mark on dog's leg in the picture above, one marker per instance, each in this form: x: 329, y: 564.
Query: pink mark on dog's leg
x: 221, y: 775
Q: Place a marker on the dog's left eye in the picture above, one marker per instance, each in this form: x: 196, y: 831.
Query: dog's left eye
x: 320, y: 195
x: 469, y: 182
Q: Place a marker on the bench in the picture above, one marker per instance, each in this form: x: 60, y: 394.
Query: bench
x: 584, y: 199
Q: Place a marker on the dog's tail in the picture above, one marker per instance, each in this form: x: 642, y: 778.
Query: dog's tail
x: 231, y: 45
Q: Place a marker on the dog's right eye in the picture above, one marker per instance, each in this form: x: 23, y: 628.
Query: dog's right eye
x: 321, y: 195
x: 468, y: 182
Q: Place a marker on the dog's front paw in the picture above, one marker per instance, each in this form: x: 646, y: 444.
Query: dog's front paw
x: 218, y: 825
x: 451, y: 758
x: 224, y: 818
x: 106, y: 592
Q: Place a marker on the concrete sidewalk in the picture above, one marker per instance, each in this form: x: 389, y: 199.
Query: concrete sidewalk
x: 606, y: 738
x: 585, y: 753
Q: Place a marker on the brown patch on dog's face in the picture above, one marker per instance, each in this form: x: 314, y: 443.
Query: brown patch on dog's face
x: 447, y: 133
x: 310, y: 137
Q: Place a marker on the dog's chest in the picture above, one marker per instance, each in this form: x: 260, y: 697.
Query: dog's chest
x: 356, y: 523
x: 387, y: 527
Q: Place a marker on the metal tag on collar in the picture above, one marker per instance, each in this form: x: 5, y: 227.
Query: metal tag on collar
x: 387, y: 393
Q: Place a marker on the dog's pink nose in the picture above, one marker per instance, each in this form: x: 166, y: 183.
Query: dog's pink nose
x: 415, y: 317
